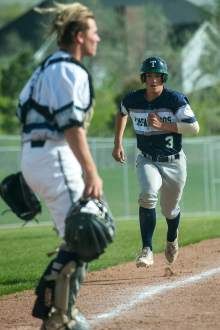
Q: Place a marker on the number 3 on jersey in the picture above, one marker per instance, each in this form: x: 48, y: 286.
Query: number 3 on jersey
x: 169, y: 141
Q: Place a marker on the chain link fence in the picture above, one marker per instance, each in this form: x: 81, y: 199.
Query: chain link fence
x: 201, y: 195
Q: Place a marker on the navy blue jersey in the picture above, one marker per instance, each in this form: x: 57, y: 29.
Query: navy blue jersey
x: 170, y: 106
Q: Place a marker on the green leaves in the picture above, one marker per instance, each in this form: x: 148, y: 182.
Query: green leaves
x: 13, y: 77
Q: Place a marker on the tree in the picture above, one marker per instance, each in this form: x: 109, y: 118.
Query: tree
x: 130, y: 84
x: 120, y: 54
x: 12, y: 80
x: 119, y: 57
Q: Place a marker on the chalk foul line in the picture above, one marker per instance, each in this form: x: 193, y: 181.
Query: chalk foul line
x: 147, y: 292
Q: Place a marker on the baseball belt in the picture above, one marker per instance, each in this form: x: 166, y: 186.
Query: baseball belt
x: 159, y: 158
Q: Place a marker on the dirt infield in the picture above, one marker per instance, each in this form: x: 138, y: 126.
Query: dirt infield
x: 184, y: 297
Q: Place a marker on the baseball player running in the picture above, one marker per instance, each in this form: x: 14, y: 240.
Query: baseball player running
x: 160, y: 117
x: 55, y: 105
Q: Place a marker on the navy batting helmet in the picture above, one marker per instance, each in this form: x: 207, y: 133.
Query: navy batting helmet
x: 154, y: 64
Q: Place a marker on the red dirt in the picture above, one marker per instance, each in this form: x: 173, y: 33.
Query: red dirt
x: 191, y: 306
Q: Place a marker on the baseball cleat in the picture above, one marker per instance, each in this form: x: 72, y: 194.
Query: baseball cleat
x: 171, y: 250
x: 59, y: 321
x: 146, y: 258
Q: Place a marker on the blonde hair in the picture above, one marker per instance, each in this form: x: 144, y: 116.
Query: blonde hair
x: 68, y: 20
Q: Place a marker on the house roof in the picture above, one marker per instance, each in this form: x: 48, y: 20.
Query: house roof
x: 177, y: 11
x: 193, y: 76
x: 29, y: 26
x: 208, y: 5
x: 203, y: 3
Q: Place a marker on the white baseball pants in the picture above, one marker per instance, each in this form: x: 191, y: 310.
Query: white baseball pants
x: 54, y: 173
x: 168, y: 178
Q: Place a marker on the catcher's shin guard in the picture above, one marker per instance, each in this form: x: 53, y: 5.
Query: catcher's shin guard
x: 57, y: 292
x: 45, y: 295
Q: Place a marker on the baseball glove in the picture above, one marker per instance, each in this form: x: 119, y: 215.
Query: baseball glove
x: 89, y: 229
x: 19, y: 197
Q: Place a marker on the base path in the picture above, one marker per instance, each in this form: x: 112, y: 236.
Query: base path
x: 184, y: 296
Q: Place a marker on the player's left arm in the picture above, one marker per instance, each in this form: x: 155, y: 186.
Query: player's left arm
x: 186, y: 122
x: 179, y: 127
x: 186, y: 119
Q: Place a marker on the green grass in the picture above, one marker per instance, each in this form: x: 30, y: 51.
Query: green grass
x: 23, y: 250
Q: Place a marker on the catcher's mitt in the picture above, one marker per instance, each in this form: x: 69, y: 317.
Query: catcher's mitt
x: 89, y: 229
x: 19, y: 197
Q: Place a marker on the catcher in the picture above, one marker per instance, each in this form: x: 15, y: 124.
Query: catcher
x: 54, y: 109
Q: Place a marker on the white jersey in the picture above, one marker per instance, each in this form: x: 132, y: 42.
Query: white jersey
x: 58, y: 96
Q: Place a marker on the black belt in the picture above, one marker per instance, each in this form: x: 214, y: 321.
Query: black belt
x: 161, y: 158
x: 37, y: 143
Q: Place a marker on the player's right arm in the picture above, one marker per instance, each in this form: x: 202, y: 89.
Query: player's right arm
x: 120, y: 125
x: 77, y: 140
x: 72, y: 100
